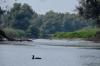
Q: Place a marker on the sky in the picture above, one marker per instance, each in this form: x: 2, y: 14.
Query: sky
x: 43, y: 6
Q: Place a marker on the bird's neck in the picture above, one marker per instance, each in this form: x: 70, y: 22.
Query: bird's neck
x: 33, y: 57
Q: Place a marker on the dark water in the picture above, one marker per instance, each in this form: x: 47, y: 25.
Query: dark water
x: 16, y: 55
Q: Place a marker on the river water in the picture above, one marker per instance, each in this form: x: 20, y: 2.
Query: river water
x: 21, y: 55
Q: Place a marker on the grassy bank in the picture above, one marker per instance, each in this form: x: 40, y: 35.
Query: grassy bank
x: 84, y: 33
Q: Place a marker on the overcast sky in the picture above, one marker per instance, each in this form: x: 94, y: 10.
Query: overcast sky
x: 43, y: 6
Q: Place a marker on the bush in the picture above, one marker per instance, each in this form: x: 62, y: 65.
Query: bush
x: 14, y: 33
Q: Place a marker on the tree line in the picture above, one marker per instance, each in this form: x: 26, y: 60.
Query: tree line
x: 22, y: 21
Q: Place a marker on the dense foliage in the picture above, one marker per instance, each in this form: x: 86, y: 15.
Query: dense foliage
x: 90, y: 9
x: 14, y: 33
x: 23, y: 20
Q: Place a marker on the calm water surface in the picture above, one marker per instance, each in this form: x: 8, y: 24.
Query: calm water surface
x: 16, y: 55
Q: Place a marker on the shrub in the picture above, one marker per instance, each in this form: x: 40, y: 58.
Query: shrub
x: 14, y: 33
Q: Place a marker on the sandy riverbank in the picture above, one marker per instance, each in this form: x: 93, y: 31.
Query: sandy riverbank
x: 70, y: 43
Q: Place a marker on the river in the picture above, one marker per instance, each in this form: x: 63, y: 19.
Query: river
x: 52, y: 52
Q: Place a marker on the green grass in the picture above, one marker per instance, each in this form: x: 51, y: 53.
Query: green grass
x: 84, y: 33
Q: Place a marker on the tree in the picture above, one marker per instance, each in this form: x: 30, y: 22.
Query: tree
x: 2, y: 33
x: 90, y: 9
x: 1, y: 13
x: 20, y: 16
x: 33, y: 32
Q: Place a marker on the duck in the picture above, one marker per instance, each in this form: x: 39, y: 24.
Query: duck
x: 33, y: 57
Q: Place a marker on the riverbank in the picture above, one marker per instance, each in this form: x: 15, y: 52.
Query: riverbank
x: 92, y: 34
x: 53, y: 42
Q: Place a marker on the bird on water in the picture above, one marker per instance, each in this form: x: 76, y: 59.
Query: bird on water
x: 33, y: 57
